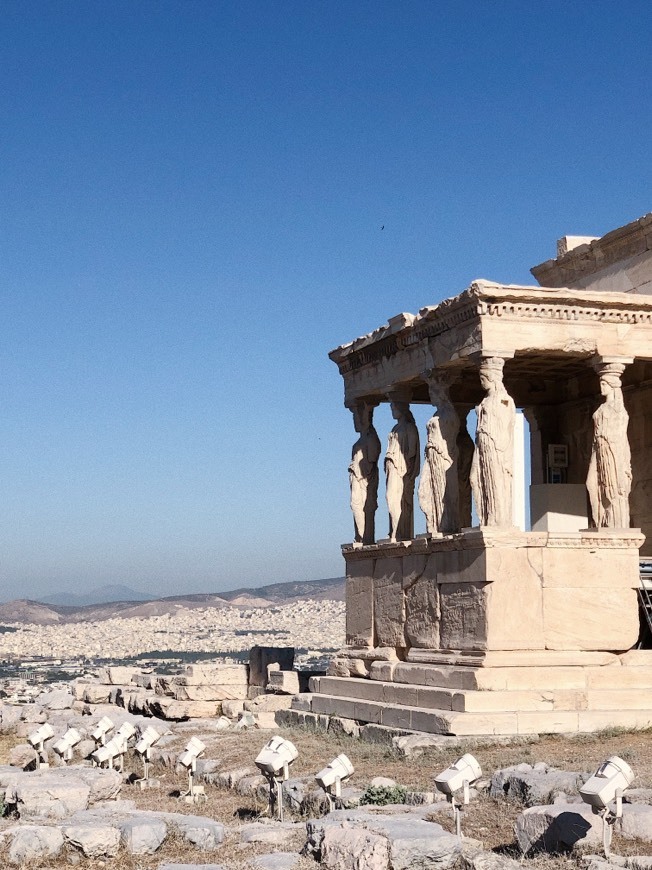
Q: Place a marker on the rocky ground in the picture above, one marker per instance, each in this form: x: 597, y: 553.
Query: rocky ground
x: 524, y: 810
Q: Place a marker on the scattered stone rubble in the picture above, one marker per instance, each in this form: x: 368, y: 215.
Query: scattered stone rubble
x: 79, y: 810
x: 203, y: 691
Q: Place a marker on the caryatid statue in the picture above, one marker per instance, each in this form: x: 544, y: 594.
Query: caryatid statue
x: 609, y: 479
x: 402, y: 463
x: 439, y: 485
x: 492, y: 471
x: 363, y: 473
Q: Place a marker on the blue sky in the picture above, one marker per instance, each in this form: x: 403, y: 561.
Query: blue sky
x: 192, y: 201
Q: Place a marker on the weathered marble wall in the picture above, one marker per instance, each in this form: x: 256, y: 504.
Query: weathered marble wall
x: 496, y: 591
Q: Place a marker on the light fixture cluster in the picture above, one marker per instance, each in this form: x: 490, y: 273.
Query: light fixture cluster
x: 112, y: 754
x: 603, y: 792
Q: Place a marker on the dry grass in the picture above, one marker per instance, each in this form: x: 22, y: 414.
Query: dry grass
x: 488, y: 820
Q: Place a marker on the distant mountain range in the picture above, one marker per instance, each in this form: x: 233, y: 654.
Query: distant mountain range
x: 121, y: 601
x: 103, y: 595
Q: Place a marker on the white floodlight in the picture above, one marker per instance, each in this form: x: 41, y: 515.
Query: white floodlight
x: 101, y: 730
x: 37, y: 739
x: 194, y: 748
x: 111, y: 751
x: 276, y: 756
x: 273, y: 761
x: 44, y: 732
x: 143, y: 747
x: 188, y: 759
x: 332, y: 777
x: 103, y: 754
x: 459, y: 775
x: 124, y: 733
x: 606, y: 785
x: 64, y: 745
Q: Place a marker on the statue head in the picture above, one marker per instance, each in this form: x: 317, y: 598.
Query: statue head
x: 399, y: 409
x: 438, y: 388
x: 491, y: 372
x: 363, y: 414
x: 610, y: 382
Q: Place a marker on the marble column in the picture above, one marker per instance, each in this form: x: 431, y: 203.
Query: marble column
x: 609, y: 480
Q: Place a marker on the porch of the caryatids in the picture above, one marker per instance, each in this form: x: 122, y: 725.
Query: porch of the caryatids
x: 609, y: 479
x: 492, y: 470
x: 402, y: 462
x: 363, y: 473
x: 439, y: 485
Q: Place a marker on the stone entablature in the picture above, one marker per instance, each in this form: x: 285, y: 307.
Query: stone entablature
x: 620, y: 260
x: 487, y: 318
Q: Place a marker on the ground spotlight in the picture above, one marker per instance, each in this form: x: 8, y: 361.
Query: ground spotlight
x: 143, y: 747
x: 124, y: 733
x: 274, y: 761
x: 64, y: 745
x: 188, y: 759
x: 109, y: 753
x: 332, y: 777
x: 37, y: 739
x: 460, y: 775
x: 606, y: 785
x: 101, y: 730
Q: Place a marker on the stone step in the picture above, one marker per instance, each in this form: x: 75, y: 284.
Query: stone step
x: 460, y: 724
x: 613, y: 676
x: 473, y: 701
x: 431, y: 698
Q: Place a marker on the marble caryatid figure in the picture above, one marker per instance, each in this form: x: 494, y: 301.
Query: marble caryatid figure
x: 363, y: 473
x: 401, y: 469
x: 492, y: 469
x: 439, y: 485
x: 609, y: 479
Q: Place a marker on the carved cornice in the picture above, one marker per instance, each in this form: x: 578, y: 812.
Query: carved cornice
x: 489, y: 537
x: 484, y: 299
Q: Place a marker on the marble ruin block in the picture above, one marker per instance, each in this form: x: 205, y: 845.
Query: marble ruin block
x: 389, y: 603
x: 360, y: 603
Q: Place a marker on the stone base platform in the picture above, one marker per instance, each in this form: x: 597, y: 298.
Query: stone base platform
x: 494, y: 693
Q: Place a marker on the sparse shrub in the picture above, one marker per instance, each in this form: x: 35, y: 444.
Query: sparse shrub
x: 380, y: 795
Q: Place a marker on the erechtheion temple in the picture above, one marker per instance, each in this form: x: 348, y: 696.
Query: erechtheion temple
x: 478, y: 626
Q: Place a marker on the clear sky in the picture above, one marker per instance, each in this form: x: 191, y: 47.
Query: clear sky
x: 192, y: 199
